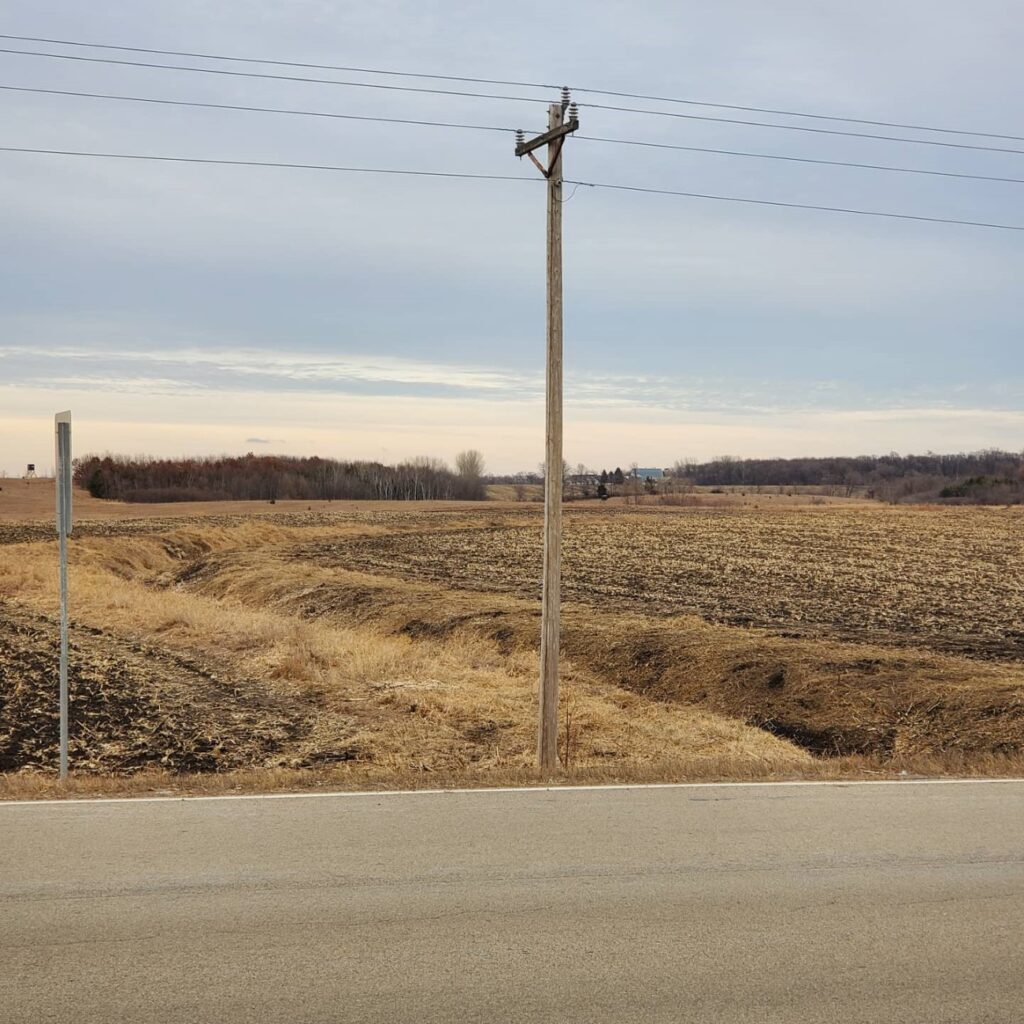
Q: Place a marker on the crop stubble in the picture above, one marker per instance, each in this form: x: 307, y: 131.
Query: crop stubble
x: 946, y: 579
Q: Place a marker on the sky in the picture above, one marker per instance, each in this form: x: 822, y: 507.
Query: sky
x: 204, y: 309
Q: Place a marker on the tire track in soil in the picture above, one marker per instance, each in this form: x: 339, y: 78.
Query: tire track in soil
x: 134, y: 706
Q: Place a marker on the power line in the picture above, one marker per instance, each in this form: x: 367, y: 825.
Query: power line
x: 515, y: 99
x: 518, y: 84
x: 496, y: 128
x: 509, y: 177
x: 799, y: 113
x: 266, y: 163
x: 797, y: 206
x: 276, y: 78
x: 282, y: 63
x: 799, y: 128
x: 800, y: 159
x: 259, y: 110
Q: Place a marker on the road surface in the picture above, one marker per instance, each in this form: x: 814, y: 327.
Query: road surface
x: 787, y: 903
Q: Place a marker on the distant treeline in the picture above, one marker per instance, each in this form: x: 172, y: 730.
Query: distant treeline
x: 992, y: 475
x: 985, y: 477
x: 272, y: 478
x: 860, y: 470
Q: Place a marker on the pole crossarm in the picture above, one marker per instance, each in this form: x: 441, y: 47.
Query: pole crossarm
x: 542, y: 140
x: 553, y: 138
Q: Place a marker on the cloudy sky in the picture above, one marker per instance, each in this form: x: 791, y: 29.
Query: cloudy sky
x: 181, y: 308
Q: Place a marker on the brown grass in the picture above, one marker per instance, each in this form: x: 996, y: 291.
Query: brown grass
x: 433, y: 686
x: 831, y: 698
x: 515, y: 492
x: 22, y: 501
x: 42, y: 786
x: 456, y: 704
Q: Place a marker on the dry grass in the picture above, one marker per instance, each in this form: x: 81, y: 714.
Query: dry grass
x: 22, y: 501
x: 515, y: 492
x: 452, y: 704
x: 30, y: 785
x: 434, y: 686
x: 829, y: 697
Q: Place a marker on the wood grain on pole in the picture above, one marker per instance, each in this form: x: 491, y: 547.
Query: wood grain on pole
x: 63, y: 489
x: 547, y: 743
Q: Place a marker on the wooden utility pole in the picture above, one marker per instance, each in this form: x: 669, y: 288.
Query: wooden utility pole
x: 62, y: 473
x: 554, y: 139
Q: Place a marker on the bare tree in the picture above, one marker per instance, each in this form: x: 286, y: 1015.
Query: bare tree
x: 580, y: 478
x: 469, y: 465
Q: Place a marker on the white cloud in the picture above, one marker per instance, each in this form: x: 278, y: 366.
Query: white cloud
x: 250, y: 369
x: 153, y: 285
x: 510, y: 432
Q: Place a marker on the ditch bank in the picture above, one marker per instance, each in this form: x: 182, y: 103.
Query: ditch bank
x: 832, y: 699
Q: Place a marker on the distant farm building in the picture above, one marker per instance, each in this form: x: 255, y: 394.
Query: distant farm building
x: 648, y: 474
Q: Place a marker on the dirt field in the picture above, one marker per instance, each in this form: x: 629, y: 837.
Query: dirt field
x: 357, y: 644
x: 943, y: 579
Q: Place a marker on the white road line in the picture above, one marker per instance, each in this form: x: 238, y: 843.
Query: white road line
x: 504, y: 789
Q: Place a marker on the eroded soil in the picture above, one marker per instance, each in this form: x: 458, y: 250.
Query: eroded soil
x: 134, y: 706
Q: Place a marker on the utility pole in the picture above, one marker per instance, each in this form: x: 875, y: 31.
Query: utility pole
x: 554, y: 139
x: 62, y: 425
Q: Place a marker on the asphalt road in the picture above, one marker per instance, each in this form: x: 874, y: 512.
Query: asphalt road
x: 881, y: 903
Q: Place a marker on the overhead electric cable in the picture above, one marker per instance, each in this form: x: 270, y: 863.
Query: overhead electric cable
x: 798, y: 128
x: 496, y: 128
x: 517, y: 84
x: 909, y: 126
x: 282, y: 63
x: 509, y: 177
x: 796, y: 206
x: 515, y: 99
x: 276, y: 78
x: 800, y: 159
x: 259, y: 110
x: 266, y: 163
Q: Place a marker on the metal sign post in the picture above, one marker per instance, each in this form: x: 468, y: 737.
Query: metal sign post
x: 62, y: 422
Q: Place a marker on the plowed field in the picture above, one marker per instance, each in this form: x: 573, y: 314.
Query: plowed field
x: 949, y: 579
x: 393, y: 643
